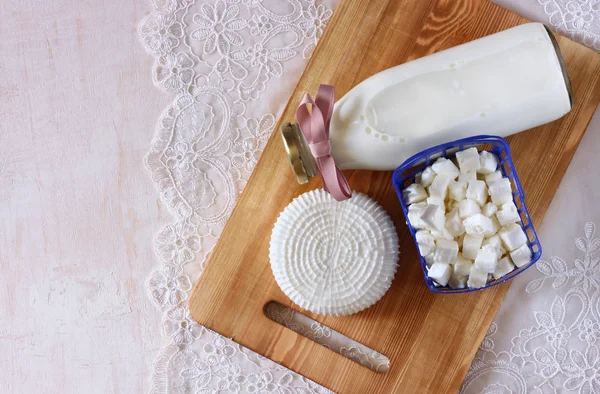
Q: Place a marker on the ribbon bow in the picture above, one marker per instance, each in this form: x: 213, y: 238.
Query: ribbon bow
x: 315, y: 128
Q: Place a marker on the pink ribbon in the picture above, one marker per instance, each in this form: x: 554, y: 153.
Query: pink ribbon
x: 315, y: 128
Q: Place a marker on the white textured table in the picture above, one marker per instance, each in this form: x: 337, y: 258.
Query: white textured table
x: 79, y: 211
x: 77, y: 208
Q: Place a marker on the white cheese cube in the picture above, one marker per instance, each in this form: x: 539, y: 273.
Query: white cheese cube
x: 439, y: 186
x: 414, y: 193
x: 501, y: 191
x: 462, y: 266
x: 513, y: 237
x: 477, y: 279
x: 468, y: 208
x: 446, y: 251
x: 477, y: 191
x: 468, y: 160
x: 467, y: 177
x: 425, y: 241
x: 504, y: 266
x: 454, y: 224
x: 433, y: 217
x: 440, y: 273
x: 443, y: 166
x: 493, y: 177
x: 458, y: 282
x: 436, y: 201
x: 471, y: 245
x: 521, y: 256
x: 443, y: 234
x: 457, y: 190
x: 427, y: 176
x: 429, y: 260
x: 488, y: 162
x: 414, y: 215
x: 496, y: 242
x: 508, y: 214
x: 489, y: 209
x: 478, y: 225
x: 486, y: 259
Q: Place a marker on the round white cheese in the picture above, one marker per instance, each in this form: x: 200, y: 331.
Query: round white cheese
x: 334, y: 258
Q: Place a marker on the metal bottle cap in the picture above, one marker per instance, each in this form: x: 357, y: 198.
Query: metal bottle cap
x: 302, y: 161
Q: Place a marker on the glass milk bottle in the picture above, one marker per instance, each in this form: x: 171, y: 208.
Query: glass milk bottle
x: 499, y: 85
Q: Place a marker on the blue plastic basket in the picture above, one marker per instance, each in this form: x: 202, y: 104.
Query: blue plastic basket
x: 406, y: 173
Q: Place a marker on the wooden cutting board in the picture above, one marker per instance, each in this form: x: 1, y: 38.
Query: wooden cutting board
x: 430, y: 339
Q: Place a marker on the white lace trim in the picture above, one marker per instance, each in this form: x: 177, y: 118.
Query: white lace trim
x: 544, y: 357
x: 579, y: 20
x: 218, y: 58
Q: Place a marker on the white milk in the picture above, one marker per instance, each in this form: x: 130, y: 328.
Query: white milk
x: 499, y: 85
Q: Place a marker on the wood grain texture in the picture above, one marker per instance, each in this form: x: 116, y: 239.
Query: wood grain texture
x: 430, y: 339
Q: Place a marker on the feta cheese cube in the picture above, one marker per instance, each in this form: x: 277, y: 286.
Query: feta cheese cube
x: 468, y: 208
x: 427, y: 176
x: 440, y: 273
x: 454, y: 224
x: 477, y: 279
x: 443, y: 166
x: 446, y: 251
x: 501, y: 191
x: 471, y: 245
x: 443, y: 234
x: 433, y: 217
x: 513, y: 237
x: 478, y: 225
x: 429, y: 260
x: 521, y: 256
x: 425, y: 242
x: 468, y: 160
x: 486, y: 259
x: 503, y: 267
x: 439, y: 186
x: 457, y: 190
x: 496, y: 242
x: 508, y: 214
x: 467, y: 177
x: 414, y: 193
x: 493, y: 177
x: 458, y: 282
x: 477, y: 191
x: 436, y: 201
x: 489, y: 209
x: 488, y: 162
x: 414, y: 215
x: 462, y: 266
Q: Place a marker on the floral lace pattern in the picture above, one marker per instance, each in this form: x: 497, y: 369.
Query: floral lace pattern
x: 218, y: 58
x: 560, y: 351
x: 578, y: 19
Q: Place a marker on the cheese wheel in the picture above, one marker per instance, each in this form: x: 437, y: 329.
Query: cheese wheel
x: 334, y: 258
